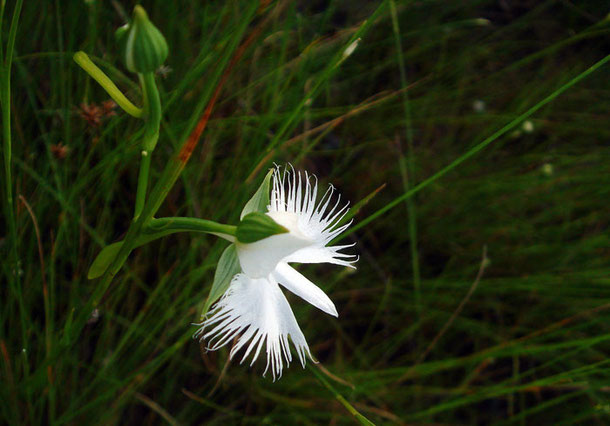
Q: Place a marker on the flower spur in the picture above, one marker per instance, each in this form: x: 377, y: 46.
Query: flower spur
x: 253, y: 309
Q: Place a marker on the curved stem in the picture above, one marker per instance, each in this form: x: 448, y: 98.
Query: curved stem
x: 115, y: 93
x: 142, y: 184
x: 155, y: 229
x: 9, y: 204
x: 152, y: 119
x: 177, y: 224
x: 167, y: 179
x: 152, y: 111
x: 14, y: 281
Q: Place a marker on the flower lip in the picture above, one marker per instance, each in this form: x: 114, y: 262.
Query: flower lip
x: 255, y: 311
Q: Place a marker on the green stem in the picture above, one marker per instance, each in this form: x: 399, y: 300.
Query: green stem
x: 142, y: 184
x: 152, y: 119
x: 155, y: 229
x: 349, y: 407
x: 103, y: 80
x: 9, y: 205
x: 167, y: 179
x: 5, y: 103
x: 152, y: 111
x: 181, y: 224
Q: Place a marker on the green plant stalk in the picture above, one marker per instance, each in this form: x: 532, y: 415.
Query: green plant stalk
x: 170, y: 174
x: 5, y: 103
x: 156, y: 229
x: 159, y: 192
x: 143, y: 177
x: 167, y: 225
x: 152, y: 111
x: 478, y: 147
x: 9, y: 205
x: 361, y: 419
x: 152, y: 120
x: 103, y: 80
x: 407, y: 170
x: 2, y: 6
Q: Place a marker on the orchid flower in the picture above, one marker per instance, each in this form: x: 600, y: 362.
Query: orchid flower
x: 253, y: 309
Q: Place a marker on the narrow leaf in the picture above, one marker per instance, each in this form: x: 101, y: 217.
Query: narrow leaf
x: 103, y: 260
x: 228, y: 267
x: 260, y: 199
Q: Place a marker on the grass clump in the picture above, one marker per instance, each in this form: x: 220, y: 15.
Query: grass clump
x: 432, y: 87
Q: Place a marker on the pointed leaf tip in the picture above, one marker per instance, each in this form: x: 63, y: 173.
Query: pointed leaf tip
x: 260, y: 199
x: 103, y: 260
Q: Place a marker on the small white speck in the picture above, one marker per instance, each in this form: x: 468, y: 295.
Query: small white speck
x: 95, y: 316
x: 144, y: 153
x: 479, y: 105
x: 350, y: 49
x: 547, y: 169
x: 527, y: 126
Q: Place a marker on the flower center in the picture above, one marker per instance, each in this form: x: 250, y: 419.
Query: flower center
x: 290, y: 221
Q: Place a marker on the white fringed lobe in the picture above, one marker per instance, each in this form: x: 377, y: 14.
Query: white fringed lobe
x: 254, y: 310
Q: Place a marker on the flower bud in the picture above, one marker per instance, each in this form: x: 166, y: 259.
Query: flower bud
x: 257, y: 226
x: 146, y: 48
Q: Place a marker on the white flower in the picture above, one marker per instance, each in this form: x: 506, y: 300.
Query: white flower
x: 253, y: 309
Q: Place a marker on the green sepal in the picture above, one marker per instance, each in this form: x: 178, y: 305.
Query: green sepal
x: 120, y: 35
x: 260, y: 199
x: 256, y: 226
x: 146, y: 48
x: 228, y: 266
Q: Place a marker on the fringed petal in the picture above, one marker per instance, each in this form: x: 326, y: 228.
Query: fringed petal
x: 255, y: 311
x: 294, y: 205
x: 323, y: 255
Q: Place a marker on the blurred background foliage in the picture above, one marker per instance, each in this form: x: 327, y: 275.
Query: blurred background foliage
x: 520, y: 336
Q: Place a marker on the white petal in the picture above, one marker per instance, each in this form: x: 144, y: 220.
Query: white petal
x: 295, y: 282
x: 255, y: 311
x: 259, y: 259
x: 293, y: 205
x: 310, y: 226
x: 323, y: 255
